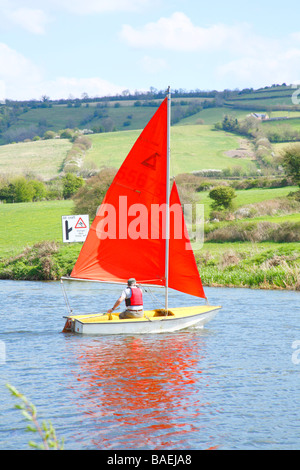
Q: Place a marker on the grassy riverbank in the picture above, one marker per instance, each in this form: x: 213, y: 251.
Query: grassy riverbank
x: 31, y: 248
x: 255, y: 265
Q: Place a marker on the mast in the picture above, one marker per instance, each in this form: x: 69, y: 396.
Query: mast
x: 168, y: 199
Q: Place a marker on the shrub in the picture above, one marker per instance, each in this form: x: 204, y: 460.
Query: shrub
x: 222, y: 197
x: 66, y: 133
x: 22, y: 190
x: 34, y: 263
x: 49, y: 135
x: 291, y: 162
x: 71, y: 184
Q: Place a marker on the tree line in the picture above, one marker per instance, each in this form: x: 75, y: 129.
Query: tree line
x: 26, y: 189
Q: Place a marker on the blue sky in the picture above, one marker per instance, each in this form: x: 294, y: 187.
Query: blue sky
x: 63, y: 48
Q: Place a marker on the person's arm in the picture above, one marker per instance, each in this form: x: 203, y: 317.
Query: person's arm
x: 120, y: 299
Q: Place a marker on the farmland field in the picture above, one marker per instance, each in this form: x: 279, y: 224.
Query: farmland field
x: 29, y: 223
x: 192, y: 148
x: 248, y: 196
x: 293, y: 123
x: 210, y: 116
x: 43, y: 158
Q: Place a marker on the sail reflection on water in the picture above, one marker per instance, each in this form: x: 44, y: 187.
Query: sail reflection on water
x: 144, y: 393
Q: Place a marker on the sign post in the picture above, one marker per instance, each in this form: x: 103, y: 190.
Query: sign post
x: 75, y: 228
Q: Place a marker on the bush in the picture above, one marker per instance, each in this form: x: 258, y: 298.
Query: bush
x: 71, y: 184
x: 291, y: 162
x: 66, y: 133
x: 222, y: 197
x: 49, y: 135
x: 22, y: 190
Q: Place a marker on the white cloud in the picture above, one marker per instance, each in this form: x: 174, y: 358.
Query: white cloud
x: 256, y: 70
x: 32, y: 20
x: 63, y: 87
x: 178, y: 33
x: 17, y: 73
x: 21, y: 79
x: 238, y: 55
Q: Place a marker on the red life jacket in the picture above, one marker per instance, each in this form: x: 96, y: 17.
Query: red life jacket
x: 136, y: 297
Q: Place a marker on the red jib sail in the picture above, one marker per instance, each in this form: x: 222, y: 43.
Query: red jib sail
x: 127, y: 236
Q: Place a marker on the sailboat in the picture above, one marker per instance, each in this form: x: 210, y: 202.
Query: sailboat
x: 139, y: 231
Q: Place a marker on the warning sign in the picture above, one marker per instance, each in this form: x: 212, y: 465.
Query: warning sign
x: 75, y: 228
x: 80, y: 223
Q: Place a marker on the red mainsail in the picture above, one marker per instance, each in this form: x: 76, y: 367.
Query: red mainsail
x: 127, y: 236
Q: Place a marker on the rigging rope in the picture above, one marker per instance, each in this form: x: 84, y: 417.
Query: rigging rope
x: 66, y: 297
x: 154, y: 298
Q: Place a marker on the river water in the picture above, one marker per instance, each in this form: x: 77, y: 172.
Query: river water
x: 232, y: 385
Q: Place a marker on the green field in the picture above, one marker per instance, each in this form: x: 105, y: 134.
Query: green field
x: 122, y: 115
x: 260, y: 265
x: 247, y: 196
x: 210, y: 116
x: 268, y: 98
x: 271, y: 125
x: 192, y: 148
x: 61, y: 117
x: 27, y: 223
x: 43, y: 158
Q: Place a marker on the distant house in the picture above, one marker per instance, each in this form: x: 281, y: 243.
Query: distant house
x: 260, y: 116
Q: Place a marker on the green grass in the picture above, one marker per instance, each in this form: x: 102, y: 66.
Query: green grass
x: 25, y: 224
x: 257, y: 265
x: 258, y: 252
x: 288, y: 114
x: 28, y: 223
x: 110, y: 149
x: 210, y: 116
x: 247, y: 196
x: 60, y: 116
x: 279, y: 218
x: 276, y: 96
x: 43, y: 158
x: 192, y: 148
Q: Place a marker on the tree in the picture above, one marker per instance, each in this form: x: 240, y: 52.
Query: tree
x: 39, y: 190
x: 222, y: 197
x: 49, y: 135
x: 291, y: 162
x: 23, y: 190
x: 71, y: 184
x: 230, y: 124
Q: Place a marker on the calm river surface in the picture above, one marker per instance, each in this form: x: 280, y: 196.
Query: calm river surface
x: 232, y: 385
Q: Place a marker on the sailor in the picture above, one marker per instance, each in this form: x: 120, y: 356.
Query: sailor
x: 133, y: 299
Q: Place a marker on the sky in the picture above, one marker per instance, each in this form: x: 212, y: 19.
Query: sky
x: 65, y: 48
